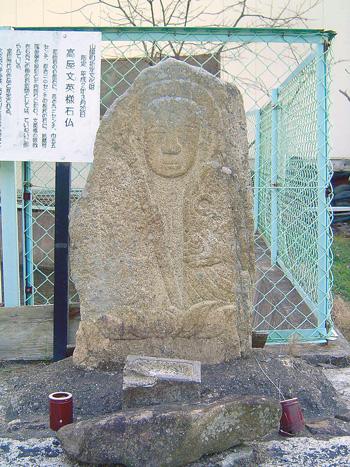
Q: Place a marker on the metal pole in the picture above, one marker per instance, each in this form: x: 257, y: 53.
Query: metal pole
x: 9, y: 227
x: 61, y: 291
x: 257, y: 169
x: 27, y: 220
x: 322, y: 170
x: 274, y: 171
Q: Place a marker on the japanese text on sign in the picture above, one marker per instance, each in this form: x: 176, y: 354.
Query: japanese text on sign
x: 49, y: 95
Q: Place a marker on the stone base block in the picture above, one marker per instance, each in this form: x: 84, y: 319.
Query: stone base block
x: 152, y: 381
x: 95, y: 348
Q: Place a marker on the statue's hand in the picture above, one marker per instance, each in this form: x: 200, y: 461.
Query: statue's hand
x: 207, y: 320
x: 202, y: 250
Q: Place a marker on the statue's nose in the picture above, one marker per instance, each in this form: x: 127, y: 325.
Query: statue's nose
x: 170, y: 146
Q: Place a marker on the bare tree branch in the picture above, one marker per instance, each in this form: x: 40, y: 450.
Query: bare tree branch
x: 242, y: 13
x: 183, y: 13
x: 345, y: 94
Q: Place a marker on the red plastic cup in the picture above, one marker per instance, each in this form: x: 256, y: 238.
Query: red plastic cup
x: 292, y: 419
x: 61, y: 409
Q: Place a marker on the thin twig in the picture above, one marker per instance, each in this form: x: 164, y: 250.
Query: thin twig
x: 345, y: 94
x: 274, y: 384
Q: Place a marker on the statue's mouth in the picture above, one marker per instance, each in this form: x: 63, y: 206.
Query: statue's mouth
x: 171, y: 165
x: 171, y: 152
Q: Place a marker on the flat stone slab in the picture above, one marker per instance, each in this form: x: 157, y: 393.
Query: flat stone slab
x: 153, y: 381
x: 169, y: 436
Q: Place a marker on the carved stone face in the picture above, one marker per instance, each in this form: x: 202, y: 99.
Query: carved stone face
x: 172, y: 130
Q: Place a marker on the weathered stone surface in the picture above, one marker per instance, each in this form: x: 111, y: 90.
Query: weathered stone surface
x: 344, y: 416
x: 171, y: 436
x: 328, y: 427
x: 150, y: 381
x: 162, y: 238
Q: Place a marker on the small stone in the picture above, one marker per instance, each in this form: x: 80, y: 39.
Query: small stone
x: 241, y: 457
x: 14, y: 422
x: 14, y: 425
x: 151, y: 381
x: 344, y: 416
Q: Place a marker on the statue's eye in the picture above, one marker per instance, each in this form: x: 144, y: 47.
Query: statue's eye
x: 204, y: 203
x: 157, y: 131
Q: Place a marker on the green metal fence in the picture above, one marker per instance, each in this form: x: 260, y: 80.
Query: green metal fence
x: 283, y: 76
x: 293, y: 220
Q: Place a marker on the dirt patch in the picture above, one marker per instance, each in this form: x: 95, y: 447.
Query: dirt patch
x: 24, y: 395
x: 341, y: 315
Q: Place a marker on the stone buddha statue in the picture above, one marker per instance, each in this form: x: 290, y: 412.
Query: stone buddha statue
x: 162, y: 238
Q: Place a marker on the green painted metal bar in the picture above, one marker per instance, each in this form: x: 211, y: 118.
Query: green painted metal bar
x: 310, y: 36
x: 298, y: 70
x: 27, y: 223
x: 9, y: 228
x: 322, y: 170
x: 311, y: 336
x: 274, y: 165
x: 257, y: 168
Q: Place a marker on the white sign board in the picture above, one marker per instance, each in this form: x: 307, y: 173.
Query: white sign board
x: 49, y: 95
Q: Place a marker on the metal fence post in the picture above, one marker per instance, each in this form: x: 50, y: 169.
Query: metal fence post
x: 61, y: 288
x: 274, y: 166
x: 9, y: 227
x: 257, y: 169
x: 322, y: 171
x: 27, y: 225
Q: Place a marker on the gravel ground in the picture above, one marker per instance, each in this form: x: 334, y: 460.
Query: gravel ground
x: 98, y: 392
x: 32, y: 453
x: 302, y: 451
x: 308, y: 452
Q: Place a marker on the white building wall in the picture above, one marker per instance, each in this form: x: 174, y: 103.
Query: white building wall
x: 328, y: 14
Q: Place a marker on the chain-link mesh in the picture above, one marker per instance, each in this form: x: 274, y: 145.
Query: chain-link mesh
x: 298, y: 179
x: 293, y: 268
